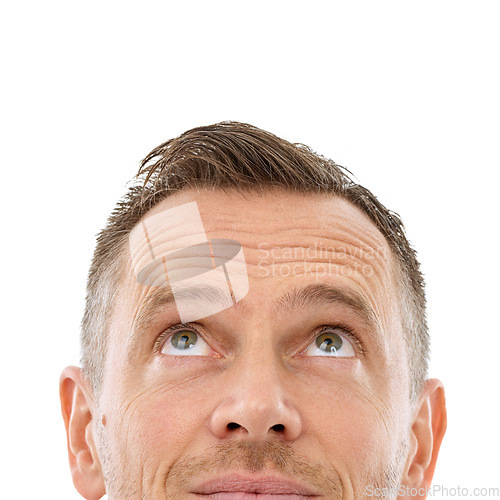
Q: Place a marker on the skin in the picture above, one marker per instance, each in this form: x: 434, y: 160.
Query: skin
x: 258, y: 401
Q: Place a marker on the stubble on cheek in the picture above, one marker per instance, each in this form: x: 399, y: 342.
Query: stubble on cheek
x: 120, y: 479
x: 122, y: 482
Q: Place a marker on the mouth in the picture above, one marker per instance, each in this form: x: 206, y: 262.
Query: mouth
x: 245, y: 487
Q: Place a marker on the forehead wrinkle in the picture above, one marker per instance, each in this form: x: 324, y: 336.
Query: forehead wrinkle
x: 315, y: 246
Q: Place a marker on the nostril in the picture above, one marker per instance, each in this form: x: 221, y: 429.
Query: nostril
x: 233, y: 425
x: 278, y: 428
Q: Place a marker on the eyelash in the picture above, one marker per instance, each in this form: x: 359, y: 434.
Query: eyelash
x: 346, y: 330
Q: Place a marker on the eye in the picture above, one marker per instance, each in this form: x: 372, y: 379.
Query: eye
x: 331, y: 342
x: 185, y: 342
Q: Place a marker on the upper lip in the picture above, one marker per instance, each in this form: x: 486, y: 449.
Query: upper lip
x: 254, y: 483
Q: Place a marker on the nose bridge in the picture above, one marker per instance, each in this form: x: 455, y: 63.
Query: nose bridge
x: 255, y: 401
x: 258, y: 375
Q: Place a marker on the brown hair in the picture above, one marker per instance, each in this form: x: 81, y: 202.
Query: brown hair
x: 241, y: 156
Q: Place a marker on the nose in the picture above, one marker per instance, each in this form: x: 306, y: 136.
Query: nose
x: 255, y: 405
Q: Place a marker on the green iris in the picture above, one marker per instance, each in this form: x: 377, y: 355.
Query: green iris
x: 329, y: 342
x: 184, y: 339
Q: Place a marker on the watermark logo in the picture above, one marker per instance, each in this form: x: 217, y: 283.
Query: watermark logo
x: 435, y: 490
x: 317, y: 260
x: 172, y: 247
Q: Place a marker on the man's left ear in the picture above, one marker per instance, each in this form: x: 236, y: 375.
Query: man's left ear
x: 77, y: 408
x: 429, y: 426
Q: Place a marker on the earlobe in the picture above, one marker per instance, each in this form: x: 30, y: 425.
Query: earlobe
x: 429, y: 426
x: 77, y: 407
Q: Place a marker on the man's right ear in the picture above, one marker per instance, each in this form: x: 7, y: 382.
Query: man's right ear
x: 77, y: 406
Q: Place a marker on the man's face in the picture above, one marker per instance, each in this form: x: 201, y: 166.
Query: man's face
x: 301, y: 388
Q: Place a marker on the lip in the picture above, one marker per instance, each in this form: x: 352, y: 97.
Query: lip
x: 246, y: 486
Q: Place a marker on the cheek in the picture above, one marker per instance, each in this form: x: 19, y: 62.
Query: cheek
x: 355, y: 429
x: 170, y: 424
x: 159, y: 424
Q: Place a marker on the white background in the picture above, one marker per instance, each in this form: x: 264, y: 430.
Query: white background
x: 406, y: 95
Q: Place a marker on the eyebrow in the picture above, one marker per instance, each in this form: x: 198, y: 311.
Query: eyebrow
x: 164, y: 297
x: 318, y: 294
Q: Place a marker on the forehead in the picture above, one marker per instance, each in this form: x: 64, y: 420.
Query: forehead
x: 270, y: 214
x: 276, y: 237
